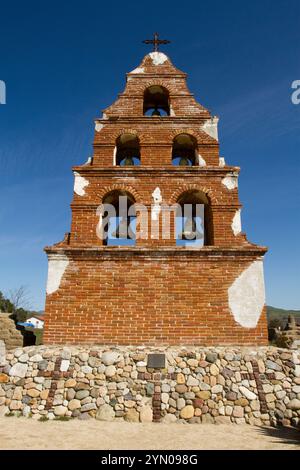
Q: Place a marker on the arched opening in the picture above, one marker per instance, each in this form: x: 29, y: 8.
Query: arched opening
x: 119, y: 219
x: 156, y: 101
x: 184, y: 150
x: 194, y: 224
x: 128, y: 150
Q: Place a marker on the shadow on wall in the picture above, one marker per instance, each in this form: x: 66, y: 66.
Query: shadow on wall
x: 284, y: 435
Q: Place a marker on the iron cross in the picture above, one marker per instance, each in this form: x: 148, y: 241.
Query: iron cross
x: 156, y: 42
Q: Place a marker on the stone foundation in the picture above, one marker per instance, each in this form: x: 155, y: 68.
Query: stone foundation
x: 197, y: 385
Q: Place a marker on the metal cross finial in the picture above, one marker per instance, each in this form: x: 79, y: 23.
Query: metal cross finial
x: 156, y: 42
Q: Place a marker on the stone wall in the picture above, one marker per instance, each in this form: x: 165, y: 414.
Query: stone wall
x: 8, y: 332
x: 197, y: 385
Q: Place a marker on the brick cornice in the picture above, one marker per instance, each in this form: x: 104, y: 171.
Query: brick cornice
x: 143, y: 144
x: 176, y: 253
x: 91, y: 170
x: 80, y: 206
x: 158, y: 120
x: 156, y: 76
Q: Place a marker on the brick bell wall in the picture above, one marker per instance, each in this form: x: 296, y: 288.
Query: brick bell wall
x: 155, y: 293
x: 154, y: 299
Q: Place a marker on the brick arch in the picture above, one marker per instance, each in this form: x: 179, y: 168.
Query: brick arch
x: 200, y: 136
x: 131, y: 131
x: 155, y: 82
x: 119, y: 187
x: 192, y: 187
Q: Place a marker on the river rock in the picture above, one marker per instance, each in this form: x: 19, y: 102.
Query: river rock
x: 192, y: 382
x: 204, y: 394
x: 146, y: 414
x: 81, y: 394
x: 169, y: 418
x: 272, y: 365
x: 36, y: 358
x: 211, y: 357
x: 88, y: 407
x: 105, y: 413
x: 60, y: 410
x: 214, y: 370
x: 18, y: 370
x: 247, y: 393
x: 181, y: 388
x: 74, y: 404
x: 110, y: 371
x: 294, y: 404
x: 238, y: 412
x: 70, y: 383
x: 132, y: 416
x: 110, y: 357
x: 180, y: 378
x: 217, y: 389
x: 187, y: 412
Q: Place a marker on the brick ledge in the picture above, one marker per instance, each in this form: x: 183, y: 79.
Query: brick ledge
x: 213, y: 252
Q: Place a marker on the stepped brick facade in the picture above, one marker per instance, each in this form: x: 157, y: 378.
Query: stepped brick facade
x: 155, y: 291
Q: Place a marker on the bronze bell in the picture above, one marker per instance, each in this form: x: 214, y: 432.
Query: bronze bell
x: 155, y: 112
x: 184, y: 161
x: 128, y: 161
x: 122, y: 229
x: 190, y: 231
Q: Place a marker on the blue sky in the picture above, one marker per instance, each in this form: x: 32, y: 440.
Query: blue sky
x: 63, y: 62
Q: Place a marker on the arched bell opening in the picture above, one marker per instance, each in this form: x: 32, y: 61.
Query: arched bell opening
x: 194, y: 222
x: 184, y: 150
x: 119, y: 219
x: 128, y: 150
x: 156, y: 101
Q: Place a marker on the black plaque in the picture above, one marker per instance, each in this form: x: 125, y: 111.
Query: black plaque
x: 156, y: 361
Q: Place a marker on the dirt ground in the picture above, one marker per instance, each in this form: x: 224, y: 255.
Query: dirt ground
x: 22, y: 433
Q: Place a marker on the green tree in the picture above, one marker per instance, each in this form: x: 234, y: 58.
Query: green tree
x: 5, y: 304
x: 17, y: 304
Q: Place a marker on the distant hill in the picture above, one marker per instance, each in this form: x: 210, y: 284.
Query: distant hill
x: 281, y: 314
x: 35, y: 312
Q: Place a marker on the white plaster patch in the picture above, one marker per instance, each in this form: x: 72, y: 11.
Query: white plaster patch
x: 237, y: 223
x: 138, y: 70
x: 211, y: 127
x: 246, y: 296
x: 157, y: 199
x: 230, y: 181
x: 172, y: 112
x: 201, y: 160
x: 57, y: 264
x: 115, y: 155
x: 158, y: 58
x: 222, y: 162
x: 79, y: 184
x: 89, y: 160
x: 98, y: 126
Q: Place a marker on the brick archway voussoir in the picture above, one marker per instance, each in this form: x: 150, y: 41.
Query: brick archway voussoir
x: 191, y: 187
x: 119, y: 187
